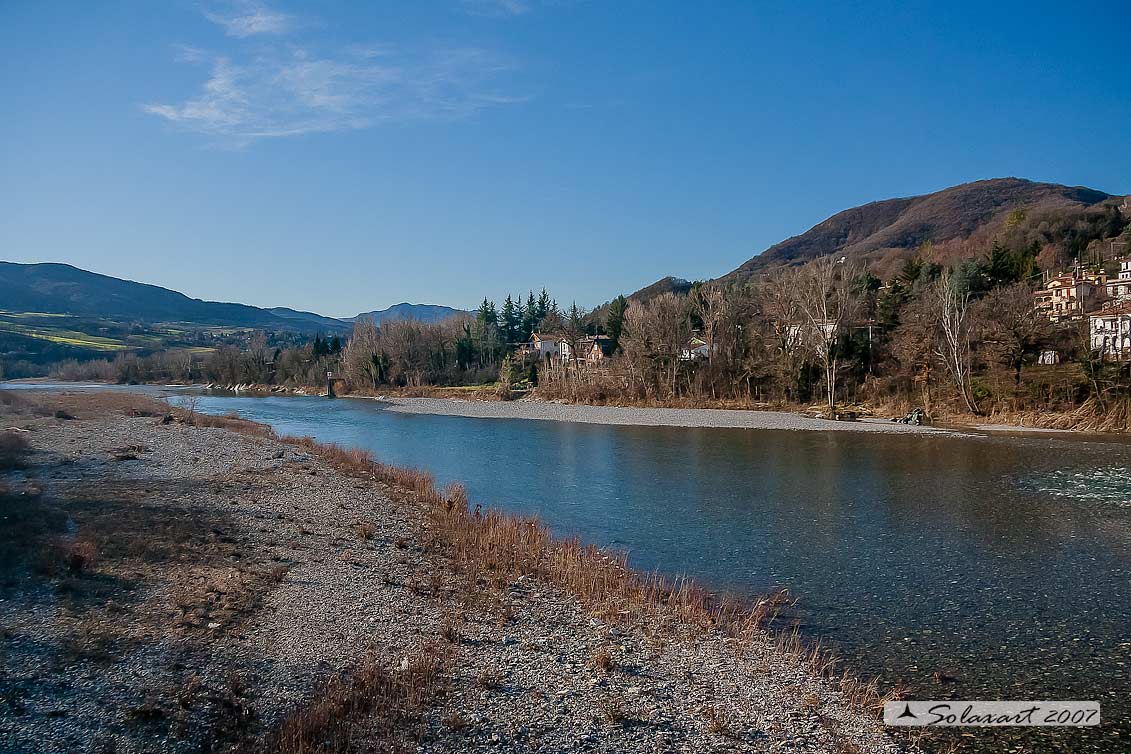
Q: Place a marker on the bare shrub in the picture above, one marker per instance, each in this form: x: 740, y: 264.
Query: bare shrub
x: 615, y: 712
x: 366, y: 530
x: 489, y: 680
x: 451, y: 632
x: 388, y: 702
x: 717, y: 724
x: 80, y: 557
x: 13, y: 447
x: 603, y: 660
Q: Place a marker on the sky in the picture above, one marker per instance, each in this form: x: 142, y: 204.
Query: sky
x: 342, y: 156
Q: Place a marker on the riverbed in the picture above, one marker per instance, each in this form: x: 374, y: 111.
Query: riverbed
x: 965, y: 566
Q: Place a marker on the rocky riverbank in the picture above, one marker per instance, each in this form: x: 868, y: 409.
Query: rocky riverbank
x: 181, y: 588
x: 653, y: 417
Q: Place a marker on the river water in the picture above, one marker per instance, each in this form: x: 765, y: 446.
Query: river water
x: 1001, y: 561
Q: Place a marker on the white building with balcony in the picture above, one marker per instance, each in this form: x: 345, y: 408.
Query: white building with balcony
x: 1109, y: 330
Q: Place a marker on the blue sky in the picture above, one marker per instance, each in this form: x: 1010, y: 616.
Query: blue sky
x: 342, y: 156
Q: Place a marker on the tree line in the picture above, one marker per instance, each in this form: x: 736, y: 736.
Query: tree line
x: 962, y: 337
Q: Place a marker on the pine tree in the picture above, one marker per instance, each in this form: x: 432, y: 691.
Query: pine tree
x: 510, y: 321
x: 487, y: 317
x: 575, y: 320
x: 543, y: 307
x: 529, y: 317
x: 614, y: 323
x: 508, y: 372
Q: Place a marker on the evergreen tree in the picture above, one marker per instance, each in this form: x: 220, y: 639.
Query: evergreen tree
x: 575, y: 320
x: 465, y: 348
x: 912, y: 268
x: 614, y: 323
x: 508, y: 372
x: 543, y: 306
x: 510, y: 321
x: 529, y: 317
x: 487, y: 317
x: 891, y: 302
x: 1000, y: 267
x: 969, y: 278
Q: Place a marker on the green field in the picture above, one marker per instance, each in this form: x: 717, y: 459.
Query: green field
x: 65, y: 330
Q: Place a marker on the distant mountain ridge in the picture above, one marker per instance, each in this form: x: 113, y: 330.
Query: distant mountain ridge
x: 64, y: 289
x: 958, y: 222
x: 426, y: 313
x: 885, y: 232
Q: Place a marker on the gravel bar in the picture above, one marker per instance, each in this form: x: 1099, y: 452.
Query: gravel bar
x: 647, y: 417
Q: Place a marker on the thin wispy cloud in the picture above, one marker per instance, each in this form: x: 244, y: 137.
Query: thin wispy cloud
x: 293, y: 91
x: 496, y: 7
x: 248, y: 18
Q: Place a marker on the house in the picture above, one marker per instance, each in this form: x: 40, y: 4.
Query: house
x: 1071, y: 295
x: 598, y: 348
x: 1109, y: 330
x: 809, y: 335
x: 695, y: 350
x: 543, y: 346
x: 1120, y: 288
x: 590, y: 349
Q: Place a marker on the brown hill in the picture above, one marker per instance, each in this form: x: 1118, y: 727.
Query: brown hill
x: 885, y: 233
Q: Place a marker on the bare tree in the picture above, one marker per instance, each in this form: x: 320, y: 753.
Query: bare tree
x: 655, y: 334
x: 361, y: 358
x: 951, y: 308
x: 914, y: 345
x: 782, y: 332
x: 1011, y: 327
x: 828, y: 304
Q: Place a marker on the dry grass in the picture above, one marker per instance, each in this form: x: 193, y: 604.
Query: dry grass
x: 1091, y: 416
x: 603, y: 660
x: 14, y: 446
x: 489, y: 680
x: 231, y: 421
x: 717, y: 723
x: 382, y: 703
x: 366, y: 530
x: 451, y: 632
x: 80, y: 557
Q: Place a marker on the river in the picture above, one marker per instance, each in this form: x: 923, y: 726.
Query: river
x: 1002, y: 562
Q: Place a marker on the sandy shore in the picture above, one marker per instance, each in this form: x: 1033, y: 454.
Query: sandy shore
x: 228, y: 577
x: 649, y: 417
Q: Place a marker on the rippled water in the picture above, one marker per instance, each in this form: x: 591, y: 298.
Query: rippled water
x: 1001, y: 561
x: 1106, y: 485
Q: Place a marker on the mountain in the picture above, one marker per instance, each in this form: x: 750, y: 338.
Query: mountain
x: 663, y: 285
x: 62, y: 289
x: 884, y: 233
x: 427, y: 313
x: 309, y: 319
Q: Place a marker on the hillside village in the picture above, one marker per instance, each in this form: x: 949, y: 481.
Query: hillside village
x: 1100, y: 292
